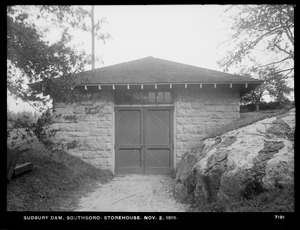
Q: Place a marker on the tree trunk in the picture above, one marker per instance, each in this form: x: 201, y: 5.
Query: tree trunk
x: 257, y: 107
x: 93, y: 39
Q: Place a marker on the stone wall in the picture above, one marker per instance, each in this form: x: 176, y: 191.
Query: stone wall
x: 90, y: 124
x: 199, y: 111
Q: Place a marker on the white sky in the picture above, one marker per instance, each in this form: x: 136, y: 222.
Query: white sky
x: 190, y: 34
x: 184, y: 33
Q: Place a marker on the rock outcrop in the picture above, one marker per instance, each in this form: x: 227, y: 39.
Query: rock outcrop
x: 245, y: 161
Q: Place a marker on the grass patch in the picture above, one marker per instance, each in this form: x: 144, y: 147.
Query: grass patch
x: 244, y: 120
x: 52, y: 186
x: 275, y: 200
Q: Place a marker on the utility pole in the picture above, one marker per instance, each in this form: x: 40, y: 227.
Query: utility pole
x: 93, y: 38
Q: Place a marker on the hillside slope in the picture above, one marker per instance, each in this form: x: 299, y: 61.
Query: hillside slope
x: 52, y: 185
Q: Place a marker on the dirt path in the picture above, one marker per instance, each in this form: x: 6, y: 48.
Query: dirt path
x: 134, y: 193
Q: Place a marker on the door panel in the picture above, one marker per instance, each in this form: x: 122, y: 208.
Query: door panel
x: 129, y: 127
x: 129, y: 154
x: 158, y: 140
x: 158, y: 127
x: 144, y: 142
x: 158, y: 161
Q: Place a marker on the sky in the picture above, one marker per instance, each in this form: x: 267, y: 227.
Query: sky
x: 189, y: 34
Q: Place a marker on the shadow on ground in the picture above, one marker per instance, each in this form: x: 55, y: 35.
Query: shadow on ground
x: 56, y: 183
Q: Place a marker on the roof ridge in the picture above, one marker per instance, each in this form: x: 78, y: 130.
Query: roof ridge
x: 165, y: 60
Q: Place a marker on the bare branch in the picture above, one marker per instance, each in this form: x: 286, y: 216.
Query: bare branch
x: 289, y: 35
x: 282, y: 71
x: 276, y: 62
x: 283, y: 50
x: 288, y: 73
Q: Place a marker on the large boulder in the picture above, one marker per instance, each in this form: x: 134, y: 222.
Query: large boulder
x: 242, y: 162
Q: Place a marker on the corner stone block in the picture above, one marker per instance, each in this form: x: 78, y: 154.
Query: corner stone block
x: 191, y: 113
x: 98, y: 132
x: 231, y: 115
x: 184, y: 137
x: 213, y: 101
x: 183, y: 121
x: 64, y: 110
x: 179, y: 129
x: 54, y: 126
x: 67, y: 127
x: 108, y: 117
x: 57, y: 105
x: 186, y: 112
x: 231, y: 101
x: 179, y: 155
x: 75, y: 152
x: 108, y: 147
x: 216, y: 116
x: 179, y: 146
x: 180, y: 112
x: 92, y: 143
x: 61, y: 136
x: 209, y: 108
x: 89, y: 117
x: 109, y: 132
x: 78, y: 134
x: 91, y: 124
x: 198, y: 104
x: 104, y: 154
x: 81, y: 127
x: 202, y: 113
x: 104, y: 139
x: 104, y: 161
x: 89, y: 154
x: 108, y: 109
x: 79, y: 109
x: 197, y: 120
x: 104, y: 124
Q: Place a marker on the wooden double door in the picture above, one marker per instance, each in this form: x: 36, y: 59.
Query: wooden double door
x: 144, y: 140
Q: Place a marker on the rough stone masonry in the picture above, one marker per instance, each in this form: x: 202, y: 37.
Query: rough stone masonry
x: 199, y: 111
x: 91, y: 122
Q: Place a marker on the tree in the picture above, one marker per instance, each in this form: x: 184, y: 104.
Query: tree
x: 35, y: 58
x: 278, y: 89
x: 31, y: 58
x: 263, y: 35
x: 274, y: 84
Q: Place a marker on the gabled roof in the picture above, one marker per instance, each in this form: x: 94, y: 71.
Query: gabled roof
x: 154, y: 70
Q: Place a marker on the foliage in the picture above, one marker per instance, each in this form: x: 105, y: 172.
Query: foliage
x: 35, y: 58
x: 268, y: 26
x: 263, y: 35
x: 271, y: 106
x: 31, y: 58
x: 23, y: 128
x: 278, y: 199
x: 32, y: 117
x: 278, y: 89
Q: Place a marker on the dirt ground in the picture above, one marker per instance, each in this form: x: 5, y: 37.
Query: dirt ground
x: 134, y: 193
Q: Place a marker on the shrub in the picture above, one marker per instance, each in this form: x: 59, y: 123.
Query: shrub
x: 279, y: 199
x: 273, y: 105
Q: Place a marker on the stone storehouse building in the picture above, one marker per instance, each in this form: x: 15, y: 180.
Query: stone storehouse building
x: 142, y: 115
